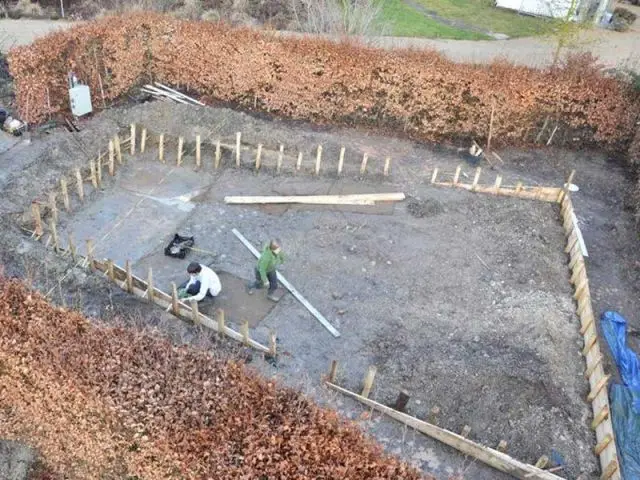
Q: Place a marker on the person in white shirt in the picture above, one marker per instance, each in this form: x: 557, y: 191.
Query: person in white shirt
x: 203, y: 283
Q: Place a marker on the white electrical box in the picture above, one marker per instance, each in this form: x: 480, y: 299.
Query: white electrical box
x: 80, y: 97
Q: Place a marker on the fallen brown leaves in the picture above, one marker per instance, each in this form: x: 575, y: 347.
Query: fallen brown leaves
x: 110, y: 402
x: 420, y: 94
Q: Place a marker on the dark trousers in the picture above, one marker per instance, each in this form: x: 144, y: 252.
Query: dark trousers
x: 194, y: 288
x: 273, y: 280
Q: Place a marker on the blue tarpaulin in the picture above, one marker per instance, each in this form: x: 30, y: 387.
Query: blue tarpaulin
x: 625, y: 398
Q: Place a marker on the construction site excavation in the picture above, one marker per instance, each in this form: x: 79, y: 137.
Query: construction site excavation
x: 453, y: 293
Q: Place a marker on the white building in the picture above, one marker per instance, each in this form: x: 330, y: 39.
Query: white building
x: 557, y: 8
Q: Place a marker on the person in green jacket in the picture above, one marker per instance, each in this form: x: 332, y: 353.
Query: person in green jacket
x: 265, y: 271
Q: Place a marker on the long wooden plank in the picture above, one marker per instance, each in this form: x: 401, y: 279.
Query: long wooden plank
x: 493, y: 458
x: 325, y: 323
x: 355, y: 199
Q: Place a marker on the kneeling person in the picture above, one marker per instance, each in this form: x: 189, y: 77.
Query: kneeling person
x: 203, y: 283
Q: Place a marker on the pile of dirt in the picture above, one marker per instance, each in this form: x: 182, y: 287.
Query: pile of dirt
x: 114, y: 403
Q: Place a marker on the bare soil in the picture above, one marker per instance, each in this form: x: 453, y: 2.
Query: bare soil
x: 461, y: 299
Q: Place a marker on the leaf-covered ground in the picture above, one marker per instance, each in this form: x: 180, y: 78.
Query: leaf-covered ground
x: 115, y: 403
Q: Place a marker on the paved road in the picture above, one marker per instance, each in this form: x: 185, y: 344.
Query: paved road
x: 613, y: 48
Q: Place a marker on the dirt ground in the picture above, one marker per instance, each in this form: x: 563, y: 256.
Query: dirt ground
x: 461, y: 299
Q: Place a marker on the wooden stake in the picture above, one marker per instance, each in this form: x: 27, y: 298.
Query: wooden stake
x: 519, y: 187
x: 542, y: 462
x: 174, y: 299
x: 401, y: 401
x: 94, y: 175
x: 341, y: 161
x: 544, y: 127
x: 318, y: 159
x: 456, y: 176
x: 589, y: 343
x: 466, y: 430
x: 476, y: 178
x: 143, y: 140
x: 72, y: 247
x: 598, y: 388
x: 280, y: 158
x: 599, y: 448
x: 65, y: 194
x: 161, y: 148
x: 198, y: 152
x: 238, y: 137
x: 368, y: 381
x: 37, y: 219
x: 363, y: 165
x: 180, y: 148
x: 216, y: 163
x: 333, y: 371
x: 493, y: 109
x: 502, y: 446
x: 551, y: 136
x: 600, y: 417
x: 258, y: 156
x: 112, y: 167
x: 129, y: 278
x: 498, y: 183
x: 434, y: 176
x: 387, y: 165
x: 90, y: 255
x: 592, y: 368
x: 99, y: 170
x: 151, y: 290
x: 110, y: 273
x: 133, y: 139
x: 273, y: 344
x: 116, y: 142
x: 244, y: 330
x: 195, y: 312
x: 53, y: 206
x: 299, y: 161
x: 54, y: 235
x: 79, y: 184
x: 610, y: 470
x: 221, y: 328
x: 570, y: 177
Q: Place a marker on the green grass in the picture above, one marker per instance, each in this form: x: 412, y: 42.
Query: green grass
x: 483, y: 14
x: 404, y: 21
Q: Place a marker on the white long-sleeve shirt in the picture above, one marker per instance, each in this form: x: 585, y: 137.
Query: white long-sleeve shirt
x: 209, y: 281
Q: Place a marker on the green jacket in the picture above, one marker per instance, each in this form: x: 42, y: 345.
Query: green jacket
x: 268, y: 262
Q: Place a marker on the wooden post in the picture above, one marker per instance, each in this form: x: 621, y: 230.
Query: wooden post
x: 198, y: 152
x: 161, y: 148
x: 341, y: 160
x: 151, y: 290
x: 216, y: 163
x: 299, y: 161
x: 466, y: 430
x: 54, y: 235
x: 434, y: 177
x: 456, y: 176
x: 502, y: 446
x: 195, y: 312
x: 493, y: 109
x: 99, y: 170
x: 79, y: 184
x: 542, y: 462
x: 363, y: 165
x: 90, y: 255
x: 273, y: 344
x: 476, y: 178
x: 65, y: 194
x: 110, y: 273
x: 221, y: 327
x: 238, y: 138
x: 333, y: 371
x: 174, y: 299
x: 112, y: 167
x: 368, y: 381
x: 37, y: 219
x: 133, y: 139
x: 180, y: 147
x: 116, y: 142
x: 72, y: 247
x: 244, y: 330
x: 318, y: 159
x: 387, y: 165
x: 129, y: 280
x: 280, y: 158
x: 259, y: 156
x: 433, y: 414
x: 143, y: 140
x: 498, y: 183
x: 401, y: 401
x: 94, y: 175
x: 53, y: 206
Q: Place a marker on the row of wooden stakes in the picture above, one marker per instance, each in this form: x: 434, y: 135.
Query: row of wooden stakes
x: 598, y: 380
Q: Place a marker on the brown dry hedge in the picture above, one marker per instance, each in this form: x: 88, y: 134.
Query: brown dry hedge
x: 420, y: 94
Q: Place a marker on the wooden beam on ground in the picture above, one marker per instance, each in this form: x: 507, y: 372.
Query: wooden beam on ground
x: 493, y: 458
x: 354, y: 199
x: 325, y: 323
